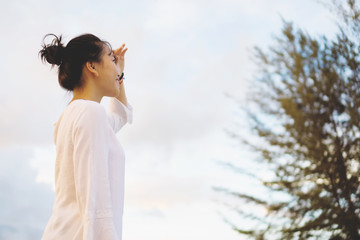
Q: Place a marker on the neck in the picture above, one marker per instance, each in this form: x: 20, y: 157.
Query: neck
x: 87, y: 92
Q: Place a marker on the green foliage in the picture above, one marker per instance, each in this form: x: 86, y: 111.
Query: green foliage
x: 310, y: 88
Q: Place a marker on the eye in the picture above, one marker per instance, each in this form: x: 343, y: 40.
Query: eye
x: 114, y: 59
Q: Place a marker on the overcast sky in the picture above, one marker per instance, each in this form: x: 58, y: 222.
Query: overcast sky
x: 184, y: 57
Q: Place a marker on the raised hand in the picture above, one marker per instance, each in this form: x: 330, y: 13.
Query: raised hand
x: 120, y: 57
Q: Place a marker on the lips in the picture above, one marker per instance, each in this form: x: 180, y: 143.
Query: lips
x: 119, y: 81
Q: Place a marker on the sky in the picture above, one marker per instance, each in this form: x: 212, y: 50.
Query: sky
x: 185, y: 58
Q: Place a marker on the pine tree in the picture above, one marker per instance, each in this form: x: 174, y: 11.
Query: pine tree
x: 307, y: 119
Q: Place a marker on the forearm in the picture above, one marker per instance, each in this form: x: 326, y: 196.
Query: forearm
x: 122, y: 95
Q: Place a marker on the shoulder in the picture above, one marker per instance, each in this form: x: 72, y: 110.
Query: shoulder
x: 89, y: 113
x: 91, y: 107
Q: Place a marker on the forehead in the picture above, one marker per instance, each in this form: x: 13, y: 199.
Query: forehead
x: 107, y: 49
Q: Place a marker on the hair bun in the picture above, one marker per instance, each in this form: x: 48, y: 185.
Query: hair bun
x: 52, y: 53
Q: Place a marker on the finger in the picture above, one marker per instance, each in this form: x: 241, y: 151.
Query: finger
x: 121, y: 47
x: 117, y: 51
x: 116, y: 55
x: 124, y: 51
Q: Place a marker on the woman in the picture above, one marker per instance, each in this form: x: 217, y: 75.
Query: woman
x: 89, y: 170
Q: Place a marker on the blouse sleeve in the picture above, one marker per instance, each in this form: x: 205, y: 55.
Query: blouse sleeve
x: 90, y: 138
x: 119, y: 114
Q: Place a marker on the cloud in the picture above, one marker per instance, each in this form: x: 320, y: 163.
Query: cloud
x: 26, y: 204
x: 43, y: 161
x: 154, y: 191
x: 172, y: 15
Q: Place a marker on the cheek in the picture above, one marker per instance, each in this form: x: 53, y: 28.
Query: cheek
x: 116, y: 68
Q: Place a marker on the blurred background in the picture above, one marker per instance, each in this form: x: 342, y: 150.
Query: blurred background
x: 187, y: 69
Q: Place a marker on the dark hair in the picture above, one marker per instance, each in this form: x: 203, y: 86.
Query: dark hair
x: 72, y: 58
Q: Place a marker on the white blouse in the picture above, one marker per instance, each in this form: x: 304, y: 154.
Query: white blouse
x: 89, y: 172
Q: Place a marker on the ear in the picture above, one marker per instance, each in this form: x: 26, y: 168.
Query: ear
x: 91, y: 68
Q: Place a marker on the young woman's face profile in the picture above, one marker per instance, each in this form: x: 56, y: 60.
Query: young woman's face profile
x: 109, y: 73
